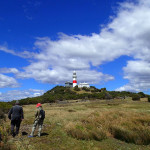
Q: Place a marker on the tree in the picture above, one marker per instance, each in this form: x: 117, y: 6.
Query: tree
x: 141, y: 94
x: 103, y: 89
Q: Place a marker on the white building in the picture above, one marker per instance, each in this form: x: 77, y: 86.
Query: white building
x: 81, y: 85
x: 68, y: 84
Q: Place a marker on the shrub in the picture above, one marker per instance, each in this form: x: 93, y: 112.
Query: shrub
x: 135, y: 97
x: 149, y: 98
x: 85, y: 89
x: 141, y: 94
x: 4, y: 107
x: 107, y: 96
x: 92, y: 91
x: 103, y: 89
x: 76, y: 88
x: 2, y: 115
x: 100, y: 95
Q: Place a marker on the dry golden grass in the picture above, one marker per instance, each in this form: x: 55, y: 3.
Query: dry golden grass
x: 87, y: 125
x: 127, y: 126
x: 144, y: 99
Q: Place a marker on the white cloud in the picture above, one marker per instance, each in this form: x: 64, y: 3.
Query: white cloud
x: 138, y: 73
x: 18, y: 94
x: 127, y: 34
x: 6, y: 81
x: 24, y: 54
x: 9, y: 70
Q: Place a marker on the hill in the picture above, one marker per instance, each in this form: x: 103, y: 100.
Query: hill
x: 91, y: 119
x: 61, y: 93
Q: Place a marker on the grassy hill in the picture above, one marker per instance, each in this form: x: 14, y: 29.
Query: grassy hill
x: 96, y: 125
x: 61, y: 93
x: 86, y: 119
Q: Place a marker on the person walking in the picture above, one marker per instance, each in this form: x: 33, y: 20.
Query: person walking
x: 16, y: 115
x: 39, y: 119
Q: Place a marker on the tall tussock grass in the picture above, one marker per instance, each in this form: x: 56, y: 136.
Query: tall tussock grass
x: 85, y: 132
x: 2, y: 114
x: 130, y: 127
x: 4, y: 129
x: 140, y: 136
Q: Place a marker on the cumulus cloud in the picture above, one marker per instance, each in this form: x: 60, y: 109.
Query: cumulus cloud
x: 18, y: 94
x: 127, y: 34
x: 138, y: 73
x: 6, y: 81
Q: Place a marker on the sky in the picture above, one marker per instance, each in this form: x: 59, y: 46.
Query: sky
x: 43, y: 41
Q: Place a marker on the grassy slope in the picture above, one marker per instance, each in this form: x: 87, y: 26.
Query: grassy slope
x: 59, y: 115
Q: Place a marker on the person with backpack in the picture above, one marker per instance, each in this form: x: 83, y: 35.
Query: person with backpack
x: 39, y: 119
x: 16, y: 116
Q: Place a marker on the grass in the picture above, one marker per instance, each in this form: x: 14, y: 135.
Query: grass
x: 96, y: 125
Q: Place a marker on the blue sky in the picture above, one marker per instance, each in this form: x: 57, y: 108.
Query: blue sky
x: 42, y: 42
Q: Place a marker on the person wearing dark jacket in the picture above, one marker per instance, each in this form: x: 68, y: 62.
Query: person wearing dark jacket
x: 15, y: 115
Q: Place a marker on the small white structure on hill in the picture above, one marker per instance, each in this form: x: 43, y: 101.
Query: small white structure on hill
x: 81, y: 85
x: 68, y: 84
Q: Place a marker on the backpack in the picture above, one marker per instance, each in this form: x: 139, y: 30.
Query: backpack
x: 42, y: 114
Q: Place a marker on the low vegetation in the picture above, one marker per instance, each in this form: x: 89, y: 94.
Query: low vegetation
x: 83, y: 119
x: 4, y: 129
x: 61, y: 93
x: 125, y: 126
x: 104, y: 125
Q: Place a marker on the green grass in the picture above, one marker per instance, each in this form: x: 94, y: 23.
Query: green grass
x: 96, y: 125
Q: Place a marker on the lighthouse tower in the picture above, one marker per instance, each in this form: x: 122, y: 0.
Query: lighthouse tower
x: 74, y: 79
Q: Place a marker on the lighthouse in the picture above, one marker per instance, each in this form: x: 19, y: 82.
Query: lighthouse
x: 74, y: 79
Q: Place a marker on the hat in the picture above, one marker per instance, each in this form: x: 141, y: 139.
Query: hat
x: 38, y: 105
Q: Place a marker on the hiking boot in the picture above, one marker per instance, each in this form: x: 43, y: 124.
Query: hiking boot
x: 13, y: 134
x: 30, y: 136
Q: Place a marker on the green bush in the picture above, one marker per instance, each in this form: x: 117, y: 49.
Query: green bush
x: 103, y: 89
x: 149, y: 98
x: 141, y: 94
x: 107, y: 96
x: 85, y: 89
x: 76, y: 88
x: 4, y: 107
x: 2, y: 115
x: 135, y: 97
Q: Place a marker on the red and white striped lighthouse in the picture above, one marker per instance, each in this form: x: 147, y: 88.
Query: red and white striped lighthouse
x: 74, y: 79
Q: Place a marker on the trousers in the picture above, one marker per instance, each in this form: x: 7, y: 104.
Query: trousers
x: 38, y: 123
x: 15, y: 123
